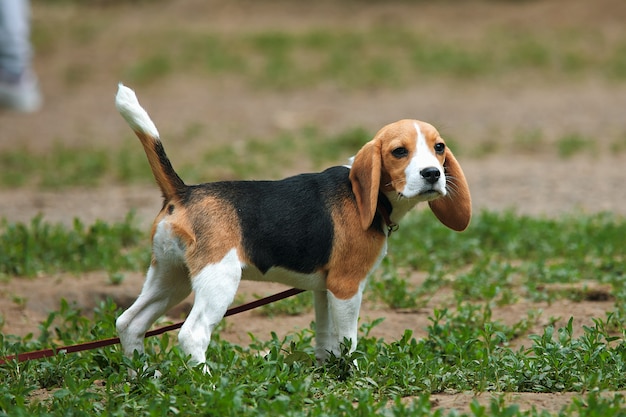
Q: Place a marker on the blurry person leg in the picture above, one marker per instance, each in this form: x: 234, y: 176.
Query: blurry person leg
x: 18, y: 84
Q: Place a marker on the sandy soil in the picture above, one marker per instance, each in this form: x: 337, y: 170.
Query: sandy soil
x: 536, y: 182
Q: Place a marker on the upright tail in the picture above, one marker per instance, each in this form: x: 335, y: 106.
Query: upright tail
x: 168, y: 180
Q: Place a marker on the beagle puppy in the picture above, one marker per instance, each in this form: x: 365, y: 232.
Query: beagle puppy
x: 325, y: 232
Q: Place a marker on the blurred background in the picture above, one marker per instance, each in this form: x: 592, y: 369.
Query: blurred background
x: 530, y: 95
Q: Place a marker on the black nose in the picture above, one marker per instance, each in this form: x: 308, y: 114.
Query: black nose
x: 430, y: 174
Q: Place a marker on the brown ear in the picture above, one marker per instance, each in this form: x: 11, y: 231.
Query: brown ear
x: 455, y: 209
x: 365, y: 178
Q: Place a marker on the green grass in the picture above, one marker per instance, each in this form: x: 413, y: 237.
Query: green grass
x: 395, y: 291
x: 79, y: 166
x: 504, y: 251
x: 573, y: 143
x: 462, y: 352
x: 502, y: 257
x: 41, y: 247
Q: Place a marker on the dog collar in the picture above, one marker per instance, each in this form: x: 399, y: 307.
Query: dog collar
x: 384, y: 208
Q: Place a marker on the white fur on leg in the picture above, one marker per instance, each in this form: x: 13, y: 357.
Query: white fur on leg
x: 167, y: 284
x: 344, y: 317
x: 338, y: 319
x: 215, y: 287
x: 164, y: 287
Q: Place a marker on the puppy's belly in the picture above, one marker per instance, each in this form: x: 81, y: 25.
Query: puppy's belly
x: 314, y: 281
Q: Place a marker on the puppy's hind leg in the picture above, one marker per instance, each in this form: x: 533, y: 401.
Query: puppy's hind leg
x: 165, y: 286
x: 215, y: 287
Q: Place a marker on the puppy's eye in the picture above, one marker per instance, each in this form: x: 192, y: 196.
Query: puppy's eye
x: 440, y: 147
x: 400, y: 152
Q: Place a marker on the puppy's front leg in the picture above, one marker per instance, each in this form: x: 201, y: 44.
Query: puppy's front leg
x: 344, y: 317
x: 325, y: 332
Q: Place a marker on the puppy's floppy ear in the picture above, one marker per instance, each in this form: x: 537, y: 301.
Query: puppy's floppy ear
x: 365, y: 178
x: 455, y: 209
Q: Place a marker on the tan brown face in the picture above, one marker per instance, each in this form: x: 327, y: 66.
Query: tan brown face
x: 413, y: 155
x: 409, y: 158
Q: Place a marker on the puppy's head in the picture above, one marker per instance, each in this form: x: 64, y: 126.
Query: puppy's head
x: 410, y: 158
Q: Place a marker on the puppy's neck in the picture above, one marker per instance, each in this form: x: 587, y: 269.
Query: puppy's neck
x: 396, y: 205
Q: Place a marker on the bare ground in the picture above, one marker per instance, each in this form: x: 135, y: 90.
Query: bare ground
x: 538, y: 182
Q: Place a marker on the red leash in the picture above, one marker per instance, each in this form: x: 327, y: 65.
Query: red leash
x: 46, y: 353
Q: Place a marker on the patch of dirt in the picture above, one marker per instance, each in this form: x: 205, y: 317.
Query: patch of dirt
x: 551, y: 402
x: 532, y: 181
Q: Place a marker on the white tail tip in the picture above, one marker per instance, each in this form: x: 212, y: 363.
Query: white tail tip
x: 127, y: 104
